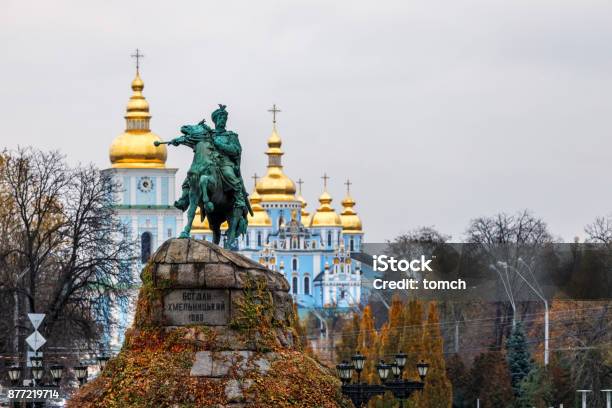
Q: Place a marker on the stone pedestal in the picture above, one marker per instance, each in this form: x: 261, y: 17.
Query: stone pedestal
x: 212, y: 329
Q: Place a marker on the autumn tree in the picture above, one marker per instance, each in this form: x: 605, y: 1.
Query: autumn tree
x: 63, y: 251
x: 438, y: 389
x: 347, y: 346
x: 411, y: 337
x: 457, y: 374
x: 490, y: 381
x: 367, y: 344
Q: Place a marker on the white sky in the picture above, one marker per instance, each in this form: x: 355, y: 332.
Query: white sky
x: 438, y: 111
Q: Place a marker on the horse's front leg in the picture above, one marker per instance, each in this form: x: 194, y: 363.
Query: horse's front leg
x: 205, y: 181
x: 193, y: 204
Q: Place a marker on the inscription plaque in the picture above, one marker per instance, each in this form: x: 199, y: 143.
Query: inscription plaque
x: 197, y: 306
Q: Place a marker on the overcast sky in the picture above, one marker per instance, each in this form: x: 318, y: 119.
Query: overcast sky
x: 438, y: 111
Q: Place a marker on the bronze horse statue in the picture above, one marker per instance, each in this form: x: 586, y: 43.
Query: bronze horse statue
x: 206, y: 187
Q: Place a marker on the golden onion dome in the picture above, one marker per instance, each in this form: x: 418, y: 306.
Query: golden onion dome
x: 325, y: 216
x: 260, y: 217
x: 351, y: 223
x: 203, y: 227
x: 275, y: 185
x: 134, y: 148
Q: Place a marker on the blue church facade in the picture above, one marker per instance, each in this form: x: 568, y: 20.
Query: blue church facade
x: 313, y: 251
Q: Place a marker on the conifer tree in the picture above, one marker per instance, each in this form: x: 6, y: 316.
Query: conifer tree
x: 367, y: 344
x: 438, y: 390
x: 390, y: 334
x: 519, y: 359
x: 411, y: 338
x: 348, y: 338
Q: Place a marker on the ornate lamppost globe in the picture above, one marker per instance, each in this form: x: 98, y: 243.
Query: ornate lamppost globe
x: 80, y: 372
x: 400, y: 360
x: 359, y: 361
x: 345, y: 371
x: 422, y: 367
x: 56, y: 373
x: 14, y: 374
x: 395, y: 370
x: 383, y: 370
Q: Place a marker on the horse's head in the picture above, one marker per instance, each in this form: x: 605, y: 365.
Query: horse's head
x: 198, y: 129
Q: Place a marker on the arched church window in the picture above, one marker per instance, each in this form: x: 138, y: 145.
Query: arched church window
x: 248, y: 240
x: 329, y: 238
x: 294, y: 289
x: 352, y: 245
x: 294, y: 264
x: 259, y: 239
x: 307, y: 285
x: 145, y: 246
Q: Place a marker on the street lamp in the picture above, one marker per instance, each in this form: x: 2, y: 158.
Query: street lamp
x: 102, y: 360
x: 345, y: 371
x: 56, y: 373
x: 400, y: 360
x: 395, y: 370
x: 360, y: 393
x: 359, y: 362
x: 14, y: 373
x: 422, y: 367
x: 37, y: 368
x: 383, y: 370
x: 81, y: 373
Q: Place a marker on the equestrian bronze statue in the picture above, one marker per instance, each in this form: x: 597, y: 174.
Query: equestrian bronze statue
x: 213, y: 182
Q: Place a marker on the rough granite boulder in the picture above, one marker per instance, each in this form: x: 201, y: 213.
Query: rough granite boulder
x: 212, y: 328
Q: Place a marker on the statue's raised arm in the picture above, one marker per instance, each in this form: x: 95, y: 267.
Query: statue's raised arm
x: 191, y: 135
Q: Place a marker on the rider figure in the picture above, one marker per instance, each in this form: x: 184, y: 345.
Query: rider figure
x: 227, y: 144
x: 228, y: 159
x: 189, y: 139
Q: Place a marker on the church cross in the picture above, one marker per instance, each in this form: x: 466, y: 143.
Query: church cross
x: 300, y: 182
x: 348, y: 186
x: 274, y: 111
x: 325, y: 178
x: 255, y: 177
x: 138, y: 56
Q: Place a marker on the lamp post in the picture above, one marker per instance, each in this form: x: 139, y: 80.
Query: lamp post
x: 80, y: 372
x: 583, y: 394
x: 539, y: 294
x: 37, y: 369
x: 358, y: 361
x: 360, y: 393
x: 608, y: 398
x: 56, y: 373
x: 14, y: 374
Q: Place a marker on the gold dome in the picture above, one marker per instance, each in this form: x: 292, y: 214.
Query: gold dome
x: 275, y: 185
x: 134, y: 148
x: 325, y: 216
x: 351, y: 223
x: 202, y: 227
x: 260, y: 216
